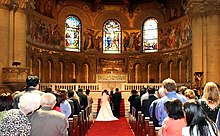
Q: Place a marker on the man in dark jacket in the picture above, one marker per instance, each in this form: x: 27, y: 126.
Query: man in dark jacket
x: 83, y: 97
x: 116, y: 100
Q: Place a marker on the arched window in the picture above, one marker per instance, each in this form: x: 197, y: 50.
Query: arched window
x: 112, y: 37
x: 72, y: 34
x: 150, y: 35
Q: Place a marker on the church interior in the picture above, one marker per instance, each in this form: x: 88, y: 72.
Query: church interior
x: 125, y: 41
x: 108, y: 44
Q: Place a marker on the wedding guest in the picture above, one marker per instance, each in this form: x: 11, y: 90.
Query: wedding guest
x: 173, y: 124
x: 15, y: 121
x: 89, y: 97
x: 170, y: 87
x: 147, y: 102
x: 83, y: 97
x: 190, y: 94
x: 65, y: 106
x: 32, y: 86
x: 73, y: 96
x: 210, y: 100
x: 161, y: 93
x: 48, y: 122
x: 198, y: 123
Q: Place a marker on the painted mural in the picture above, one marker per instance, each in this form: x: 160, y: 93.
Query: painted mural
x: 176, y: 35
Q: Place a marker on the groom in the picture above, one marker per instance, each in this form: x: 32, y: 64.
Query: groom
x: 116, y: 100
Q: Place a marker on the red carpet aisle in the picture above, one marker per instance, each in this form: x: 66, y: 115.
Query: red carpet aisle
x: 110, y: 128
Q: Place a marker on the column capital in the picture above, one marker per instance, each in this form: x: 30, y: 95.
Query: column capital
x: 202, y: 7
x: 18, y: 4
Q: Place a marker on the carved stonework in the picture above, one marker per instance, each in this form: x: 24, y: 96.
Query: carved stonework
x: 201, y: 7
x: 111, y: 77
x: 14, y: 74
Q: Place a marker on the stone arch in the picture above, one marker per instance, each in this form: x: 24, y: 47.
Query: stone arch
x: 72, y: 10
x: 117, y: 15
x: 139, y: 20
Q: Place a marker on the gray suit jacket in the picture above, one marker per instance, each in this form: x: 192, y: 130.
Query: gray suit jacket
x: 48, y: 122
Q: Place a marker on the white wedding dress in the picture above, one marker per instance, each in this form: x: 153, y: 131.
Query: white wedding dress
x: 105, y: 112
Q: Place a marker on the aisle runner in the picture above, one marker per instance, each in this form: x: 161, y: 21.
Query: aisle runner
x: 110, y: 128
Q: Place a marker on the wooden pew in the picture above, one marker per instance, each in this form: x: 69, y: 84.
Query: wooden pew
x: 156, y: 130
x: 76, y: 128
x: 71, y: 127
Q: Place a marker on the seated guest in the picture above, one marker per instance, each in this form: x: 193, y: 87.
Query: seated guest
x: 198, y: 123
x: 48, y: 122
x: 5, y: 103
x: 210, y: 100
x: 173, y: 124
x: 15, y: 122
x: 170, y: 88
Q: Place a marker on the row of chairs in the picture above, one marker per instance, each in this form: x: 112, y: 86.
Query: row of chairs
x: 142, y: 126
x: 81, y: 123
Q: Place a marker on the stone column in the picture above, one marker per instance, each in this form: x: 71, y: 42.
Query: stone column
x: 4, y: 34
x: 205, y: 38
x: 20, y: 29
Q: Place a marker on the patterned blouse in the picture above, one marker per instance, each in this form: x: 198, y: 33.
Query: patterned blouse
x: 15, y: 123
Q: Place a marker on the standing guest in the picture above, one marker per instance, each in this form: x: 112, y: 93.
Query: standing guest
x: 58, y: 101
x: 182, y: 90
x: 71, y: 95
x: 14, y: 122
x: 83, y: 97
x: 32, y: 85
x: 218, y: 122
x: 145, y: 95
x: 170, y: 87
x: 161, y: 93
x: 89, y: 98
x: 173, y: 124
x: 198, y: 123
x: 210, y: 100
x: 147, y: 102
x: 131, y: 99
x: 48, y: 122
x: 65, y: 106
x: 190, y: 94
x: 116, y: 101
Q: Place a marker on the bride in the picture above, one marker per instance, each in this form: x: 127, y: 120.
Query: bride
x: 105, y: 112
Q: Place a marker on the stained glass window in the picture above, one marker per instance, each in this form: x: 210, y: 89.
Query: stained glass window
x: 112, y: 37
x: 72, y: 34
x: 150, y: 35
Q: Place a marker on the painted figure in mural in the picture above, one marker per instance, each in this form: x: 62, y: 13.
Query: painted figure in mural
x: 126, y: 42
x: 48, y: 9
x: 98, y: 43
x: 89, y: 39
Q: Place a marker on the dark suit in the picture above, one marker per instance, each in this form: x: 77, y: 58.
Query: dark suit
x: 84, y: 100
x: 116, y: 101
x: 48, y: 122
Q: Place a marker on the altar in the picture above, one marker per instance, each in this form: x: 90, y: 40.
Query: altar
x: 111, y: 81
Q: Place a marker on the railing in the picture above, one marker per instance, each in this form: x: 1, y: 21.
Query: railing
x: 71, y: 86
x: 98, y: 86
